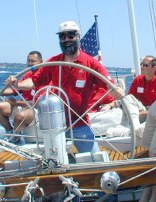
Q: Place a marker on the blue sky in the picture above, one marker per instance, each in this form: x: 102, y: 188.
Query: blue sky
x: 18, y: 31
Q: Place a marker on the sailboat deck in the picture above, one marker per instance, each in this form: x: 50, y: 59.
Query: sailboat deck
x: 114, y: 155
x: 140, y: 152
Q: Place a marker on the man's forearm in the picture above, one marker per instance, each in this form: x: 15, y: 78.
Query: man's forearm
x: 25, y: 84
x: 8, y: 91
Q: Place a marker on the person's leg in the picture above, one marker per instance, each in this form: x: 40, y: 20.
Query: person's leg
x: 133, y: 109
x: 5, y: 112
x: 84, y: 132
x: 149, y: 193
x: 23, y: 119
x: 139, y: 104
x: 153, y: 195
x: 146, y: 195
x: 101, y: 121
x: 149, y: 141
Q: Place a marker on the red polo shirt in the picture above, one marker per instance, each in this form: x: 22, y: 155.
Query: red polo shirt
x: 144, y: 90
x: 27, y: 94
x: 77, y: 83
x: 96, y: 95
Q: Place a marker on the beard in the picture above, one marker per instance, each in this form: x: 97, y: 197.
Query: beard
x: 70, y: 47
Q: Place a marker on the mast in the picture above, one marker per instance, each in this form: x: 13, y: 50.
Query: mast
x: 153, y: 19
x: 136, y: 55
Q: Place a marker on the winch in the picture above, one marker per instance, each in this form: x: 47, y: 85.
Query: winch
x: 110, y: 182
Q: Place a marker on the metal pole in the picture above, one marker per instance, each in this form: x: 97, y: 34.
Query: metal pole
x: 97, y: 31
x: 98, y: 40
x: 136, y: 55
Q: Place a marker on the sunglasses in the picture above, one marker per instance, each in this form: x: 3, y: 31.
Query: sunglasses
x: 32, y: 61
x: 70, y: 35
x: 145, y: 64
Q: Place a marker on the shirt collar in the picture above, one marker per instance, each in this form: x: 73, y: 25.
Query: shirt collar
x: 80, y: 58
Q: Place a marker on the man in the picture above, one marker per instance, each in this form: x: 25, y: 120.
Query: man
x: 18, y: 108
x: 77, y: 83
x: 143, y: 86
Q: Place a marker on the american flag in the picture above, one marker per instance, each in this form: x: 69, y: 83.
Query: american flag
x: 89, y: 43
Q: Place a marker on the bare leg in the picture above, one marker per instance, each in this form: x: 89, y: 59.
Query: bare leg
x: 5, y: 112
x: 23, y: 119
x: 146, y: 195
x: 149, y: 139
x: 153, y: 196
x: 149, y: 193
x: 153, y: 188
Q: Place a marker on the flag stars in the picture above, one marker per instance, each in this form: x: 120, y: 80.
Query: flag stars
x: 89, y: 42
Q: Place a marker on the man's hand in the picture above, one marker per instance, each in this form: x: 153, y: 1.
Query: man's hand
x: 118, y: 93
x: 108, y: 106
x: 26, y: 84
x: 12, y: 81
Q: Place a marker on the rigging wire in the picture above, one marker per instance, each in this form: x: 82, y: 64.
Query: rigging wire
x: 153, y: 19
x: 36, y: 24
x: 77, y: 9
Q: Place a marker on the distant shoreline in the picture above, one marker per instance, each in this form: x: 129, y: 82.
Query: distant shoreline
x: 6, y: 64
x: 21, y: 65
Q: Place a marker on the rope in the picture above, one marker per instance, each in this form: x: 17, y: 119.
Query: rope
x: 14, y: 185
x: 78, y: 15
x: 137, y: 176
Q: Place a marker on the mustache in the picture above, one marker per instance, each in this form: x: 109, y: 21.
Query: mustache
x: 67, y: 43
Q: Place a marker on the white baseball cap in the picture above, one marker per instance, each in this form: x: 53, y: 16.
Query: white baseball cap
x: 68, y: 26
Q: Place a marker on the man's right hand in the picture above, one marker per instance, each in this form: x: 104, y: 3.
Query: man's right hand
x: 12, y: 80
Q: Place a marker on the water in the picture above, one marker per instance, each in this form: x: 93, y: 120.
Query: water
x: 125, y: 73
x: 5, y: 72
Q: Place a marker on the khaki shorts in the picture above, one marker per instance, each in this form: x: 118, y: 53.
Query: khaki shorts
x: 19, y: 108
x: 33, y: 130
x: 15, y: 110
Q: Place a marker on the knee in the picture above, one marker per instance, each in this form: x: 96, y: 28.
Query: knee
x: 24, y: 117
x: 5, y: 108
x: 1, y: 107
x: 19, y: 117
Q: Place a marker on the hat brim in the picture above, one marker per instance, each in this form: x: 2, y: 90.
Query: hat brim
x: 68, y: 30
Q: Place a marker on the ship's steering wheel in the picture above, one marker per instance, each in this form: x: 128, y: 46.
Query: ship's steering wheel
x: 104, y: 79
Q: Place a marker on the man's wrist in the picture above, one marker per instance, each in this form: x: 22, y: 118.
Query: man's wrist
x: 105, y: 106
x: 110, y: 106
